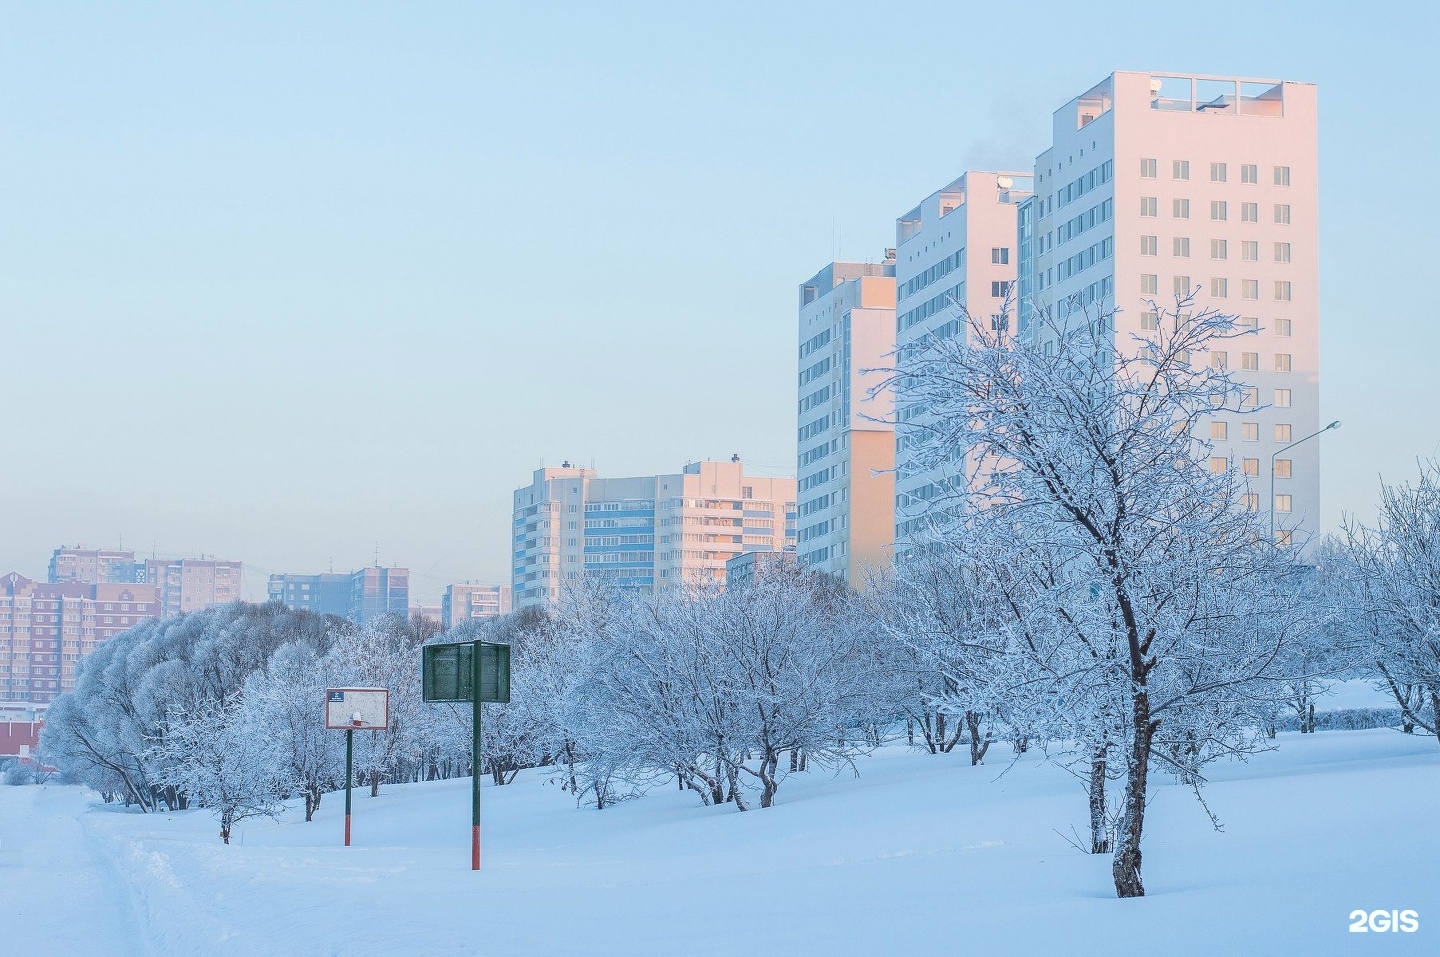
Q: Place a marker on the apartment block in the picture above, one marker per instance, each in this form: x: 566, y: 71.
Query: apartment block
x: 190, y: 584
x: 747, y: 568
x: 360, y: 596
x: 652, y: 532
x: 957, y: 248
x: 80, y: 564
x: 466, y: 600
x: 45, y: 628
x: 845, y: 435
x: 1160, y: 184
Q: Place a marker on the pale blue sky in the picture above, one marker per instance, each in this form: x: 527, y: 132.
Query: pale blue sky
x: 278, y: 284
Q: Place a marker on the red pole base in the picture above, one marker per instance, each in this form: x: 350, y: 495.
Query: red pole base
x: 475, y: 848
x: 347, y: 830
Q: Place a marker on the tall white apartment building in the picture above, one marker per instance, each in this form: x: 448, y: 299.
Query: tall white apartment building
x: 1159, y: 184
x: 466, y: 600
x: 652, y: 532
x: 846, y: 439
x: 957, y: 247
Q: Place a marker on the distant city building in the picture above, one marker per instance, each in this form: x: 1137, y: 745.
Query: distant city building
x: 846, y: 437
x: 325, y: 594
x: 956, y: 247
x: 96, y: 565
x: 359, y: 596
x: 652, y: 532
x: 430, y: 612
x: 466, y: 600
x: 1158, y: 184
x: 743, y: 570
x: 45, y: 628
x: 191, y: 584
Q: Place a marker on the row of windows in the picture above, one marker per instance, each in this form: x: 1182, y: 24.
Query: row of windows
x: 814, y: 342
x: 1219, y: 248
x: 1219, y: 172
x: 812, y: 429
x: 818, y: 369
x: 1092, y: 180
x: 938, y: 271
x: 1281, y: 327
x: 930, y: 307
x: 1092, y: 217
x: 813, y: 399
x: 1219, y: 287
x: 1084, y: 259
x: 1219, y: 210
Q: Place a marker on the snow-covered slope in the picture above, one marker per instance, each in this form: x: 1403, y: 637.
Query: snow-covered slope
x: 920, y: 854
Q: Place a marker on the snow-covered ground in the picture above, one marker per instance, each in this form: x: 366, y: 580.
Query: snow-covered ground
x: 920, y: 855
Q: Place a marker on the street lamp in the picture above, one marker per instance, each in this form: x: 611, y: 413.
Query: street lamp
x: 1332, y: 425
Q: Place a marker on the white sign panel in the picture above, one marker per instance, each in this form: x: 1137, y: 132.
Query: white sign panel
x: 357, y: 709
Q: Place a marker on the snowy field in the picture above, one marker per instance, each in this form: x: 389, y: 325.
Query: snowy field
x: 920, y: 855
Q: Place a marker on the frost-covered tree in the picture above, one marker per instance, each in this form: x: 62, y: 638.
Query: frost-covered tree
x: 384, y: 654
x: 1177, y: 597
x: 287, y: 699
x: 224, y: 760
x: 1392, y: 576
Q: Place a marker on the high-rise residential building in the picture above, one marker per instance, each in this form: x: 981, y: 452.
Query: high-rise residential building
x: 745, y: 569
x: 1158, y: 184
x: 324, y: 594
x: 45, y: 628
x: 466, y: 600
x: 652, y: 532
x: 190, y: 584
x: 81, y: 564
x: 957, y: 248
x: 845, y: 435
x: 359, y: 596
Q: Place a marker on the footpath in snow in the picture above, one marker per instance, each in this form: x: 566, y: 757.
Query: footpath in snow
x: 921, y: 854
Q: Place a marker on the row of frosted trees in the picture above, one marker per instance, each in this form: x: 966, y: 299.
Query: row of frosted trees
x: 1107, y: 597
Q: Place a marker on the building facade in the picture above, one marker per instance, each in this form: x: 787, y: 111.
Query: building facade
x: 957, y: 248
x: 845, y: 435
x: 190, y: 584
x: 46, y: 627
x: 1157, y: 185
x: 745, y: 569
x: 360, y: 596
x: 652, y: 532
x: 466, y: 600
x: 81, y: 564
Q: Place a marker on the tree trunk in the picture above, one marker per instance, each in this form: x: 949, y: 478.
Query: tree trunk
x: 769, y: 766
x: 1099, y: 831
x: 977, y: 747
x: 1126, y: 864
x: 374, y: 784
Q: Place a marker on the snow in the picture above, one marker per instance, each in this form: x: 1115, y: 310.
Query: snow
x: 921, y: 853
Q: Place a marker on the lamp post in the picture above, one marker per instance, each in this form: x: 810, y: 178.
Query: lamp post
x: 1332, y: 425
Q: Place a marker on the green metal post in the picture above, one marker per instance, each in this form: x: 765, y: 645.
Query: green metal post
x: 349, y: 759
x: 475, y: 759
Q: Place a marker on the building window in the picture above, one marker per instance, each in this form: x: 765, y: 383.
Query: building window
x: 999, y: 289
x: 1282, y: 468
x: 1282, y: 398
x: 1149, y: 284
x: 1282, y: 176
x: 1250, y: 466
x: 1282, y: 252
x: 1282, y: 290
x: 1220, y: 288
x: 1250, y: 361
x: 1249, y: 174
x: 1251, y: 502
x: 1000, y: 256
x: 1180, y: 169
x: 1150, y: 321
x: 1282, y: 502
x: 1219, y: 210
x: 1147, y: 169
x: 1249, y: 212
x: 1250, y: 431
x: 1282, y: 537
x: 1217, y: 172
x: 1181, y: 246
x: 1219, y: 249
x: 1282, y: 362
x: 1282, y: 213
x: 1180, y: 208
x: 1218, y: 431
x: 1282, y: 432
x: 1218, y: 464
x: 1250, y: 397
x: 1249, y: 250
x: 1149, y: 206
x: 1149, y: 246
x: 1220, y: 361
x: 1282, y: 327
x: 1249, y: 289
x: 1182, y: 286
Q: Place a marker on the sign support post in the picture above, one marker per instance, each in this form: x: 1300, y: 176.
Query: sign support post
x: 349, y: 760
x: 475, y: 761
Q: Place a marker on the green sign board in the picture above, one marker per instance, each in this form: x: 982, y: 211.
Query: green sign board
x: 448, y: 672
